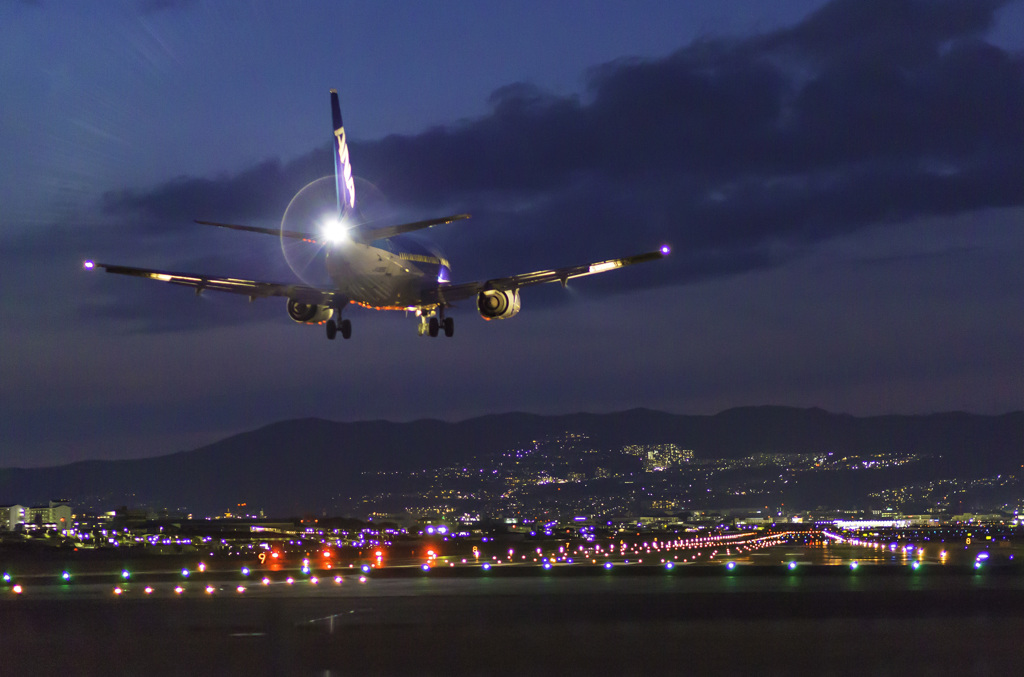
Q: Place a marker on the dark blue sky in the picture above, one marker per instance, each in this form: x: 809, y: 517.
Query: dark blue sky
x: 841, y: 181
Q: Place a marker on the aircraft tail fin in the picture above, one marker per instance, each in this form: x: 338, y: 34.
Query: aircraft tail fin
x: 344, y: 183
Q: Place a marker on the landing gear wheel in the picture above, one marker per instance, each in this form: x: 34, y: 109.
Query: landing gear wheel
x: 332, y: 330
x: 432, y: 327
x: 346, y: 329
x: 449, y: 326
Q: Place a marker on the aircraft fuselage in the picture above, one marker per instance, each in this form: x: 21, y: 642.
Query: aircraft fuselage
x: 391, y: 273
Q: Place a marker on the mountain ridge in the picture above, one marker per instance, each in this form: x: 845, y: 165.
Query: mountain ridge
x: 301, y: 465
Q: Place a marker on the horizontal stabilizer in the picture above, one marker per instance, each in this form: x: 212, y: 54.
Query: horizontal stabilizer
x: 308, y: 237
x: 362, y: 233
x: 370, y: 234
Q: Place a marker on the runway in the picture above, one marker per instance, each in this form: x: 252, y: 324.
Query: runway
x: 819, y: 620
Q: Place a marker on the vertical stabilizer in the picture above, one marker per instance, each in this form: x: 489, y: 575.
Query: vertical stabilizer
x: 344, y: 183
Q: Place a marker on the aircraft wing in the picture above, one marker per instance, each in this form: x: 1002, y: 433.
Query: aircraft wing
x: 251, y: 288
x: 457, y: 292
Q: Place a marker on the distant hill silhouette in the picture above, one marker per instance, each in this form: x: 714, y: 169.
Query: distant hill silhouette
x: 295, y: 467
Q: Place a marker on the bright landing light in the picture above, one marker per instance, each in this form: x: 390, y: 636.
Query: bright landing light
x: 335, y: 231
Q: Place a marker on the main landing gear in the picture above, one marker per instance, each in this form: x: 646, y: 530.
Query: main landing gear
x: 342, y: 326
x: 433, y: 324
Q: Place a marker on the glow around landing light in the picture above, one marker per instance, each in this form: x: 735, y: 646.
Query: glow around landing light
x: 335, y: 231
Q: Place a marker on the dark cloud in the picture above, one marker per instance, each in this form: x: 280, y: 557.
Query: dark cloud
x: 741, y: 153
x: 903, y: 31
x: 257, y: 193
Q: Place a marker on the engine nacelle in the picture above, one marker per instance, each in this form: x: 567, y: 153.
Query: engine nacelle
x: 308, y: 313
x: 498, y: 305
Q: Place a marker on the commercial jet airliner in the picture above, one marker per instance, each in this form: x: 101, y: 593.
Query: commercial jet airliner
x: 376, y: 267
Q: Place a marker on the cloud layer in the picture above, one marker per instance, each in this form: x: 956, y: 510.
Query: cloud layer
x: 739, y: 152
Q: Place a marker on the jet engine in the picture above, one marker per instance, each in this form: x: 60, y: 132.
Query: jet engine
x: 498, y: 305
x: 308, y: 313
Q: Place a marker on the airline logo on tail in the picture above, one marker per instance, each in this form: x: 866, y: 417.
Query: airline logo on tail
x: 346, y: 185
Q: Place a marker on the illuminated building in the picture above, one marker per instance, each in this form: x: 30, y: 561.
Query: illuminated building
x: 57, y: 515
x: 11, y: 516
x: 658, y: 457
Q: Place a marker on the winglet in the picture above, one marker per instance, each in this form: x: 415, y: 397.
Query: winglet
x: 344, y: 183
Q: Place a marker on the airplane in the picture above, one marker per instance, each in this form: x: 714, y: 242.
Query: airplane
x: 377, y: 267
